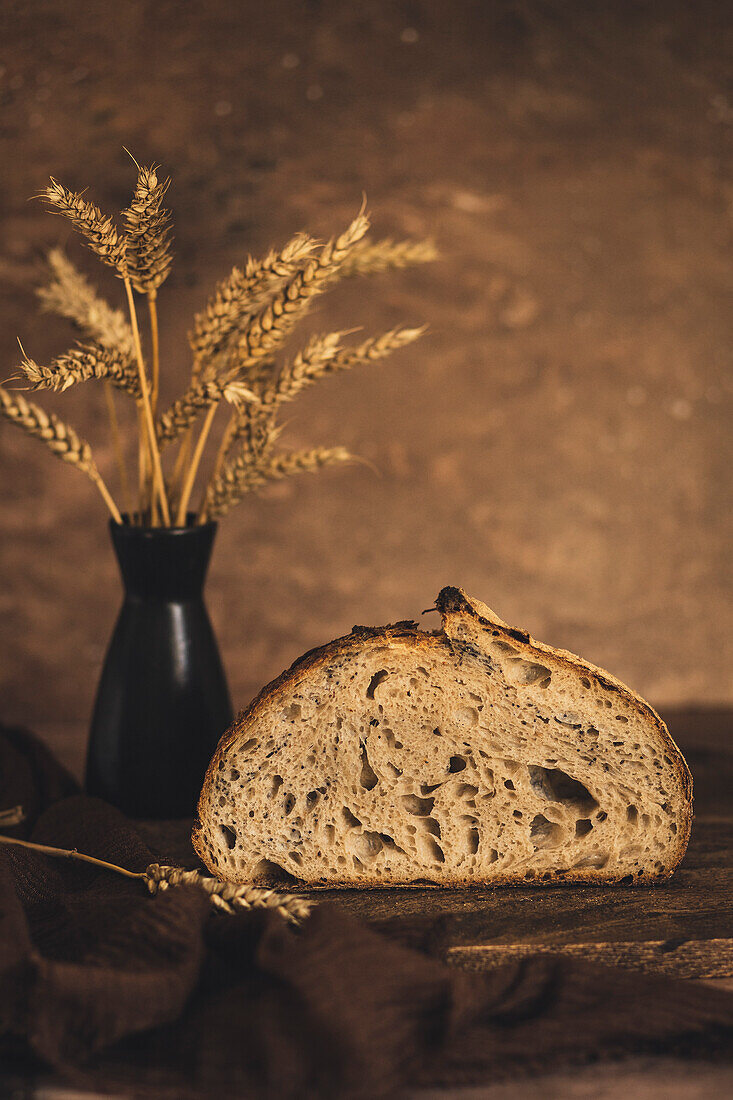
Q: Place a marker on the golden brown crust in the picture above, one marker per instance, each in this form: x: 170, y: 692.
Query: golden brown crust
x: 454, y: 601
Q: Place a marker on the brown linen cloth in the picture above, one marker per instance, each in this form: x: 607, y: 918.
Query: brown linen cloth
x: 160, y: 996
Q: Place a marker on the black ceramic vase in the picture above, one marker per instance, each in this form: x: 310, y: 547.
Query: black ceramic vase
x: 162, y: 702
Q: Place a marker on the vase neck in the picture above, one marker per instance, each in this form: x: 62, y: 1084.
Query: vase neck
x: 166, y: 564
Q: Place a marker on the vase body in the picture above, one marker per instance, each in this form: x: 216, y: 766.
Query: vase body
x: 162, y: 702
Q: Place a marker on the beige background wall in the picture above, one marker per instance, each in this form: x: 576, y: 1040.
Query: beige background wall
x: 558, y: 444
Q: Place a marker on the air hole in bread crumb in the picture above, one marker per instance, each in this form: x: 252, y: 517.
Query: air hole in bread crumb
x: 466, y: 790
x: 234, y: 774
x: 349, y: 818
x: 436, y: 851
x: 248, y: 744
x: 289, y: 803
x: 277, y: 782
x: 368, y: 778
x: 595, y: 860
x: 293, y: 712
x: 466, y: 716
x: 585, y: 681
x: 222, y: 801
x: 518, y: 814
x: 601, y: 816
x: 557, y: 786
x: 632, y: 815
x: 430, y: 825
x: 583, y: 826
x: 229, y: 835
x: 368, y: 846
x: 419, y: 807
x: 627, y: 880
x: 621, y: 718
x: 508, y: 784
x: 473, y: 841
x: 673, y: 828
x: 528, y: 672
x: 456, y: 764
x: 377, y: 679
x: 272, y: 874
x: 545, y: 833
x: 311, y: 798
x: 296, y: 858
x: 428, y: 788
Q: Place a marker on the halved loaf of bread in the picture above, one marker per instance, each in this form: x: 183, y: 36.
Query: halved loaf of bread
x: 470, y: 755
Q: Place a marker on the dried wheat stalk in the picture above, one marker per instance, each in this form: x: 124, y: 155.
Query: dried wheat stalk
x: 80, y: 364
x: 373, y: 257
x: 237, y: 479
x: 97, y: 229
x: 148, y: 240
x: 62, y: 439
x: 241, y: 294
x: 70, y: 295
x: 224, y: 896
x: 235, y: 339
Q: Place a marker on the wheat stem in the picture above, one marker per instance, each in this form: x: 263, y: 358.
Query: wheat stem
x: 71, y: 853
x: 117, y: 444
x: 155, y: 341
x: 154, y: 453
x: 194, y: 465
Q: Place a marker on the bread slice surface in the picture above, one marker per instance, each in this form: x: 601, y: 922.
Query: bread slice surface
x: 474, y: 754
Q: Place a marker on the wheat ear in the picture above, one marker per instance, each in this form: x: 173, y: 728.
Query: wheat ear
x: 267, y: 331
x: 241, y: 293
x: 97, y: 229
x: 148, y: 233
x: 70, y: 295
x: 205, y: 395
x: 80, y: 364
x: 373, y: 257
x: 62, y: 439
x: 229, y: 489
x: 224, y: 896
x: 308, y: 368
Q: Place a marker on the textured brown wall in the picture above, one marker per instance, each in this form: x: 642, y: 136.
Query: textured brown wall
x: 559, y: 444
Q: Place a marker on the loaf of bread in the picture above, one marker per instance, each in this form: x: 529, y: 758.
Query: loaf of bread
x: 472, y: 754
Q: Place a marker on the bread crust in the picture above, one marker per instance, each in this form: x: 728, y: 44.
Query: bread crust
x: 453, y: 601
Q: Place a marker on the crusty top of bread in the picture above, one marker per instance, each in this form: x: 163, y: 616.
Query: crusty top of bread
x: 470, y: 632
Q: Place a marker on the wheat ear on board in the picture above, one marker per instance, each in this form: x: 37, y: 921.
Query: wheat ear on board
x: 226, y: 897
